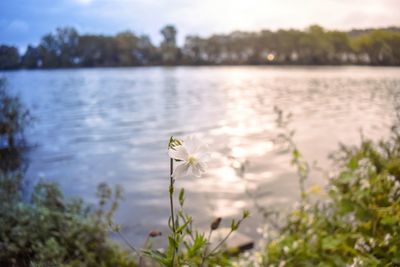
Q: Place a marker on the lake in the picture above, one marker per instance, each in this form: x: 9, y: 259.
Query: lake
x: 113, y: 125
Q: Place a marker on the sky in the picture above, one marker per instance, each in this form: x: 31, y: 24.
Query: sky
x: 24, y: 22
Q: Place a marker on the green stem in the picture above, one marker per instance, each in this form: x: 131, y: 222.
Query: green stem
x: 126, y: 241
x: 226, y: 237
x: 203, y: 258
x: 171, y: 202
x: 221, y: 242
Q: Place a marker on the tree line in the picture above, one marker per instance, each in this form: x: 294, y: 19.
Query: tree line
x: 66, y: 48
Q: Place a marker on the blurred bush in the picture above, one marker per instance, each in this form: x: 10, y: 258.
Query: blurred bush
x: 14, y: 118
x: 48, y: 230
x: 358, y: 222
x: 51, y: 231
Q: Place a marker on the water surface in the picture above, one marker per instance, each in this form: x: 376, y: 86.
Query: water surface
x: 113, y: 125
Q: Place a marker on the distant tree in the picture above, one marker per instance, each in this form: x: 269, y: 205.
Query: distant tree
x: 149, y: 54
x: 98, y: 51
x: 31, y: 58
x: 169, y: 33
x: 340, y: 42
x: 315, y: 47
x: 49, y: 52
x: 382, y: 47
x: 59, y: 49
x: 193, y: 50
x: 90, y: 51
x: 127, y: 49
x: 67, y: 41
x: 9, y: 57
x: 169, y: 50
x: 284, y: 43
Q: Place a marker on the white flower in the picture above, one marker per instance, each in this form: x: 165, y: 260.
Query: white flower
x: 286, y: 249
x: 192, y: 156
x: 387, y: 239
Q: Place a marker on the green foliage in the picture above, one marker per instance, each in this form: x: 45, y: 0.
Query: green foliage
x: 14, y: 117
x: 52, y: 231
x: 358, y: 223
x: 190, y: 247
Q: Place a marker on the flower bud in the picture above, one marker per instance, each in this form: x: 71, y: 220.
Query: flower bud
x: 154, y: 233
x: 215, y: 223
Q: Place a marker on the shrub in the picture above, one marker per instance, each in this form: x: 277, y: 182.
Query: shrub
x: 358, y: 223
x: 48, y: 230
x: 51, y: 231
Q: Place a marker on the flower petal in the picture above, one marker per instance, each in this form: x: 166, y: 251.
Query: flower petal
x: 190, y: 170
x: 196, y: 171
x: 203, y: 155
x: 194, y: 145
x: 179, y: 153
x: 202, y: 166
x: 181, y: 170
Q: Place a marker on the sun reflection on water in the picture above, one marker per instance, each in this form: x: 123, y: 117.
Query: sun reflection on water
x: 227, y: 207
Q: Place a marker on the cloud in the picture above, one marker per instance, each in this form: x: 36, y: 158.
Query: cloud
x: 83, y: 2
x: 18, y: 26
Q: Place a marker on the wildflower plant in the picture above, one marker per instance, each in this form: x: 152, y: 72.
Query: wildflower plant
x: 188, y: 246
x: 286, y: 137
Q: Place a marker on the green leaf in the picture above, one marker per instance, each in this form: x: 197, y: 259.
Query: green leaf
x: 172, y: 242
x: 157, y: 256
x: 181, y: 228
x: 346, y: 206
x: 182, y: 196
x: 346, y: 177
x: 198, y: 243
x: 330, y: 243
x: 246, y: 213
x: 170, y: 223
x: 234, y: 225
x: 295, y: 154
x: 390, y: 220
x: 353, y: 164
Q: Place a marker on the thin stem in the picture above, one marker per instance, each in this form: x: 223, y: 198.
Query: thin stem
x: 226, y: 237
x: 126, y: 241
x: 221, y: 242
x: 189, y: 226
x: 171, y: 202
x: 203, y: 258
x: 209, y: 235
x: 265, y: 213
x: 145, y: 245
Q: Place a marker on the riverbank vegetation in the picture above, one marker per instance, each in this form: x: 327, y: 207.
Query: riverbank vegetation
x: 354, y: 221
x: 66, y: 48
x: 358, y: 222
x: 43, y: 228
